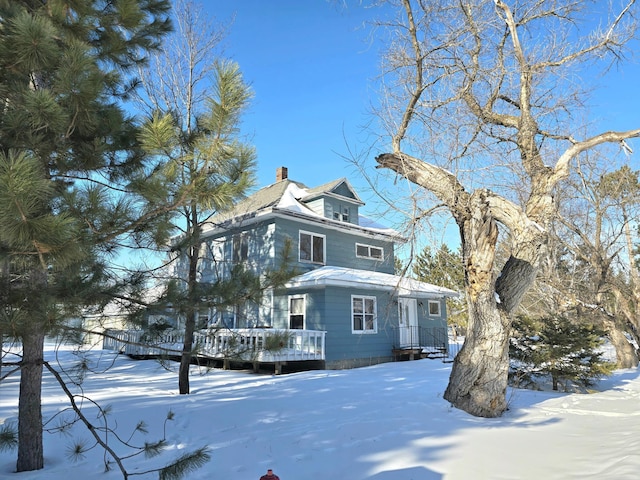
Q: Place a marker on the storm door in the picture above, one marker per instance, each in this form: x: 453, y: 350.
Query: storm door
x: 408, y: 322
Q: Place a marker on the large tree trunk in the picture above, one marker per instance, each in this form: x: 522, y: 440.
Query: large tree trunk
x: 478, y: 381
x: 626, y: 355
x: 479, y: 376
x: 30, y: 451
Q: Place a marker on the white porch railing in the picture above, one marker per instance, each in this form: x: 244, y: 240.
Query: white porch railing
x: 247, y: 344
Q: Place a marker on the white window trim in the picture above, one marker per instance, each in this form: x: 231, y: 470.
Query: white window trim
x: 304, y: 310
x: 431, y: 302
x: 375, y: 315
x: 324, y: 247
x: 369, y: 256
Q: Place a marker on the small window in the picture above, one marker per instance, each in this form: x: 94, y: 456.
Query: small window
x: 364, y: 315
x: 311, y: 248
x: 369, y: 251
x: 434, y: 308
x: 203, y: 321
x: 296, y: 312
x: 341, y: 214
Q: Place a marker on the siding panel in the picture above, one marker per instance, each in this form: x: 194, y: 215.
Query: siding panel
x: 340, y: 247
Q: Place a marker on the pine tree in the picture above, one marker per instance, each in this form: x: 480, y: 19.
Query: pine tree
x: 195, y: 102
x: 559, y: 348
x: 65, y: 143
x: 444, y: 268
x: 211, y: 169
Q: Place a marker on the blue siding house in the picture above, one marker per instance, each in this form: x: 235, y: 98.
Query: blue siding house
x: 344, y: 308
x: 346, y: 289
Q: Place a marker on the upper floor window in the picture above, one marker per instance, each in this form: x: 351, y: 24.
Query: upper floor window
x: 296, y: 311
x: 364, y: 314
x: 434, y: 308
x: 240, y: 250
x: 369, y: 251
x: 311, y: 247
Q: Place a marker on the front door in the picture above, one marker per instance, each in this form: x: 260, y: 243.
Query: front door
x: 408, y: 322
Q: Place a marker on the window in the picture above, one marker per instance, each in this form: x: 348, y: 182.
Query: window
x: 311, y: 248
x: 363, y: 314
x: 240, y: 249
x: 369, y: 251
x: 434, y: 308
x: 202, y: 321
x: 296, y: 312
x: 342, y: 214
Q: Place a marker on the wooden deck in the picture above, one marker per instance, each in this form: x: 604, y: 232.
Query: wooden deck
x: 256, y: 345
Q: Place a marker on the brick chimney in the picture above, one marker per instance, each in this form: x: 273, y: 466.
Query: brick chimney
x: 281, y: 174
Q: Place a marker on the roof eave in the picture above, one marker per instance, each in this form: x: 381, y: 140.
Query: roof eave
x: 251, y: 217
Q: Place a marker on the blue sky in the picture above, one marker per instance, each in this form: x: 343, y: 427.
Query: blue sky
x: 313, y: 66
x: 310, y: 66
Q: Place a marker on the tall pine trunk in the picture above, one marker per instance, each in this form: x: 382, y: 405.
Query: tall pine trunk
x: 185, y: 358
x: 30, y: 450
x: 191, y: 310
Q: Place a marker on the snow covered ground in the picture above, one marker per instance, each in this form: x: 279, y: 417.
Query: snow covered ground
x: 387, y: 422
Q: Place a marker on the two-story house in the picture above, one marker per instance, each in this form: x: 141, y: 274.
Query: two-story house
x: 346, y: 285
x: 345, y: 307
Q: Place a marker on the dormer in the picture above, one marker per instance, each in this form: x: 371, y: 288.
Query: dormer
x: 336, y: 200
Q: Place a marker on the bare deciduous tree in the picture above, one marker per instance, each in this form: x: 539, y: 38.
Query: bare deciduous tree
x: 596, y: 213
x: 490, y: 86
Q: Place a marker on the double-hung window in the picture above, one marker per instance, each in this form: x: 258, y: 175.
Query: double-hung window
x: 296, y: 312
x: 312, y: 247
x: 363, y: 314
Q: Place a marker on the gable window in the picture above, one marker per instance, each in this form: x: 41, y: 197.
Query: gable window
x: 363, y: 314
x: 369, y: 251
x: 311, y: 247
x: 240, y: 249
x: 296, y: 312
x: 341, y: 214
x: 434, y: 308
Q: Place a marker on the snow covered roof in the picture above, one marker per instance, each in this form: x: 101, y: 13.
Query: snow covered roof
x: 351, y: 277
x: 288, y: 197
x: 340, y: 188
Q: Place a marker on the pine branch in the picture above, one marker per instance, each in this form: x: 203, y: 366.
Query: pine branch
x: 8, y: 437
x: 185, y: 464
x: 84, y: 420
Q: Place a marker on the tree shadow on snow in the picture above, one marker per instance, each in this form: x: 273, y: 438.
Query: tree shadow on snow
x: 413, y: 473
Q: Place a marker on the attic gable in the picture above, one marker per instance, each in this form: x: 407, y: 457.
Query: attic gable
x: 338, y: 188
x: 335, y: 203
